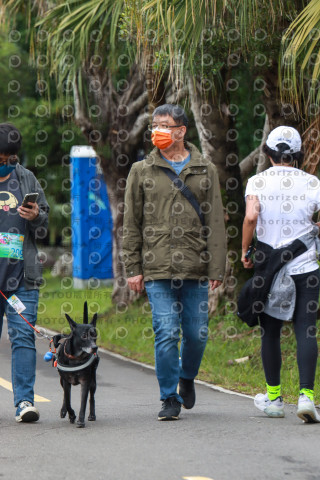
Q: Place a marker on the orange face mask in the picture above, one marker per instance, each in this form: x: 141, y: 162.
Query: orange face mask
x: 161, y: 138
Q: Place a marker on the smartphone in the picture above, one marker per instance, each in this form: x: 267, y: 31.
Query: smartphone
x: 249, y: 252
x: 29, y: 197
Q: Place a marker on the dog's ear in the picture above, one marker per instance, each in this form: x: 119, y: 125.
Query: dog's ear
x: 56, y: 339
x: 72, y: 323
x: 94, y: 320
x: 85, y: 312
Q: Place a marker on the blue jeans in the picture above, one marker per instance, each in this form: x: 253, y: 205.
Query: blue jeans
x: 178, y: 304
x: 21, y: 335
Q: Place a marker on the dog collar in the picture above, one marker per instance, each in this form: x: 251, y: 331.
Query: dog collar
x: 68, y: 355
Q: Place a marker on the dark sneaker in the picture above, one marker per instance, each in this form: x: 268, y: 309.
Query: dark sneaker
x: 187, y: 391
x: 170, y: 409
x: 26, y: 412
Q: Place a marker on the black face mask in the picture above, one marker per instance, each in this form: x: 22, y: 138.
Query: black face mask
x: 7, y: 168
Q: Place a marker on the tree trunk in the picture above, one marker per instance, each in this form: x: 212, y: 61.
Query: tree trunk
x: 311, y: 143
x: 117, y: 135
x: 218, y: 139
x: 278, y: 113
x: 121, y: 294
x: 256, y: 158
x: 154, y: 81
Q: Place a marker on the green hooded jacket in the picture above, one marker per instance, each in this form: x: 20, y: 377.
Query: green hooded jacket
x: 163, y: 237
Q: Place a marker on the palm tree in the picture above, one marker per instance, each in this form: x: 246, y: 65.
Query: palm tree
x: 301, y: 76
x: 106, y: 49
x: 205, y: 42
x: 80, y: 44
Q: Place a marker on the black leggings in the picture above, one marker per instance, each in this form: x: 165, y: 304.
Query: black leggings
x: 304, y: 323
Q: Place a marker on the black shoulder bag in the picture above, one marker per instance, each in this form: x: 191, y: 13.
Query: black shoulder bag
x: 186, y: 192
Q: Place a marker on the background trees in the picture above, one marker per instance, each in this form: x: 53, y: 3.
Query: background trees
x: 47, y: 135
x: 239, y: 68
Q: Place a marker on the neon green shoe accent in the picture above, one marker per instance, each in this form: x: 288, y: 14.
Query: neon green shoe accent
x: 307, y: 392
x: 273, y: 392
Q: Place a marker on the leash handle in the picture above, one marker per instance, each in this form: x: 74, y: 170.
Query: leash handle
x: 35, y: 329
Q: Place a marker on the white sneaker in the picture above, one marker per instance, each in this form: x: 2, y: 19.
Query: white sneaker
x: 274, y: 408
x: 306, y: 410
x: 26, y: 412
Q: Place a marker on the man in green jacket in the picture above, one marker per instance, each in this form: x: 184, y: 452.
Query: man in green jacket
x: 175, y: 249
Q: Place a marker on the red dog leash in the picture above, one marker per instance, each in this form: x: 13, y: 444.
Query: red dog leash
x: 52, y: 350
x: 35, y: 329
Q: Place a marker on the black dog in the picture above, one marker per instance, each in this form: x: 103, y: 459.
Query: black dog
x: 77, y: 362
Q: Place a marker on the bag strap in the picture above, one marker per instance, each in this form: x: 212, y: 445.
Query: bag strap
x: 178, y: 182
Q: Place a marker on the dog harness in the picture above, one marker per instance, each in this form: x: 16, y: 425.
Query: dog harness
x: 65, y: 368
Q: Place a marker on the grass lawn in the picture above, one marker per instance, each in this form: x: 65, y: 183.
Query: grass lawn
x: 130, y: 334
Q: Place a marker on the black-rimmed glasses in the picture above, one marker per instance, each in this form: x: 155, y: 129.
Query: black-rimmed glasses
x: 163, y: 127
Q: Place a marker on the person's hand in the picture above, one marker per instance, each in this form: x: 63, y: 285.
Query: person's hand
x: 214, y: 284
x: 247, y: 262
x: 136, y: 283
x: 29, y: 213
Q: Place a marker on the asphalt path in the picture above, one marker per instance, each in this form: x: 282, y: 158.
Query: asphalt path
x: 223, y: 438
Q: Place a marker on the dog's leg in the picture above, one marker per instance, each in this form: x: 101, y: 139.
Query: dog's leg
x: 63, y: 411
x: 93, y: 385
x: 67, y: 402
x: 84, y: 399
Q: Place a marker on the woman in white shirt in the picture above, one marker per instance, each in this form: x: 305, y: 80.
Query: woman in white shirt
x: 280, y: 203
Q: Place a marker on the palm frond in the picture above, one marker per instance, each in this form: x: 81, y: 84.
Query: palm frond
x: 301, y: 59
x: 76, y: 32
x: 31, y: 9
x: 312, y: 147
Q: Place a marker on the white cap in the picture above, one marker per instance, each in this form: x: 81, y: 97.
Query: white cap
x: 287, y: 135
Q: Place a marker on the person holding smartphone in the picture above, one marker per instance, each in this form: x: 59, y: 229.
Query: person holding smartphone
x: 21, y: 222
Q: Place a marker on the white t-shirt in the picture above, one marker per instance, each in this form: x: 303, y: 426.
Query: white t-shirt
x: 288, y: 199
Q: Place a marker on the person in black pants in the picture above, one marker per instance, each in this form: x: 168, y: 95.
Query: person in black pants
x: 280, y: 203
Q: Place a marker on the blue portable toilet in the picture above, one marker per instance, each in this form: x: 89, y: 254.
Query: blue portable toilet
x: 91, y: 220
